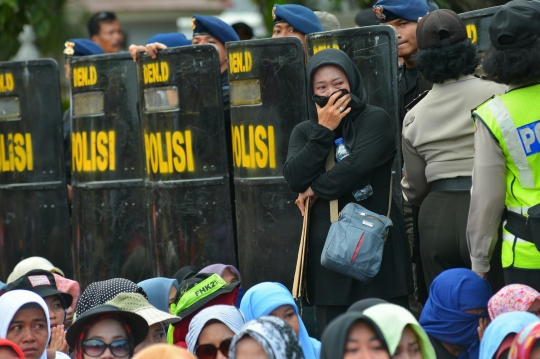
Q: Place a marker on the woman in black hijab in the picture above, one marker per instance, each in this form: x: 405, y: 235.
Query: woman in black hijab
x: 369, y: 137
x: 353, y: 335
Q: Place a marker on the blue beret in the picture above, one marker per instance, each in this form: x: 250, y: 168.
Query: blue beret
x: 388, y: 10
x: 209, y: 25
x: 172, y: 39
x: 82, y: 47
x: 298, y: 16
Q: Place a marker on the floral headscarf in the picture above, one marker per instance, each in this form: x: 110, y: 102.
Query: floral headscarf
x: 524, y: 342
x: 512, y: 298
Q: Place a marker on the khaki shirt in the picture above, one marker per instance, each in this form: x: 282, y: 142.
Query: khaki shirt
x: 487, y: 198
x: 438, y: 134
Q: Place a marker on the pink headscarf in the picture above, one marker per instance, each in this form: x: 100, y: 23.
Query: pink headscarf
x: 68, y: 286
x: 512, y: 298
x: 220, y: 268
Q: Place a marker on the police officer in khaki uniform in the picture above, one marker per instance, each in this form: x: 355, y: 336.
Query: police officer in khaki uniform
x: 507, y: 149
x: 437, y: 143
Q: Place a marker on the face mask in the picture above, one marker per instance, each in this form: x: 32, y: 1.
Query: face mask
x: 323, y: 100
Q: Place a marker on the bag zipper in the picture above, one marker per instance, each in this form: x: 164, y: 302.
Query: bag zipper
x: 358, y: 245
x: 369, y: 216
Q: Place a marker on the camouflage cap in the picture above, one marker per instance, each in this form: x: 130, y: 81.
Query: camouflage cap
x: 136, y: 303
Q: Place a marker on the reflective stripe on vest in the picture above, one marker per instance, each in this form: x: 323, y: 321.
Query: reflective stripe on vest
x: 513, y: 143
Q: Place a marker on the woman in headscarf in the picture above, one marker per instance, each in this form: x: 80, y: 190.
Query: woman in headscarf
x: 10, y: 350
x: 369, y: 136
x: 456, y: 307
x: 212, y: 329
x: 501, y: 332
x: 106, y: 331
x: 526, y: 345
x: 514, y: 298
x: 160, y: 291
x: 405, y: 337
x: 24, y: 320
x: 98, y: 293
x: 165, y: 351
x: 274, y: 299
x: 71, y: 287
x: 228, y: 272
x: 353, y: 335
x: 266, y: 337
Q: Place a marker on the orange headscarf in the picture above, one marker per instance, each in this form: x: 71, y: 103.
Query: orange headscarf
x: 164, y: 351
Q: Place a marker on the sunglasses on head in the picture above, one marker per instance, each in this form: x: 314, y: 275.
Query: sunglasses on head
x: 95, y: 347
x: 209, y: 351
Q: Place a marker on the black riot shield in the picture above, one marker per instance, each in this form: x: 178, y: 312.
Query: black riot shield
x: 110, y: 228
x: 186, y: 172
x: 477, y: 23
x: 373, y: 50
x: 34, y: 212
x: 268, y: 98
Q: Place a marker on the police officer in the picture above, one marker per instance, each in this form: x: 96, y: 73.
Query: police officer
x: 105, y: 30
x: 507, y: 148
x: 438, y: 137
x: 403, y: 17
x: 74, y: 47
x: 294, y: 20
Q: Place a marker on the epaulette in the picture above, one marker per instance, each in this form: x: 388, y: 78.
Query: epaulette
x: 416, y: 100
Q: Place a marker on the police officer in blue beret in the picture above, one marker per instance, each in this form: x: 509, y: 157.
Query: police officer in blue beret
x: 74, y: 47
x: 206, y: 30
x: 403, y: 16
x: 294, y: 20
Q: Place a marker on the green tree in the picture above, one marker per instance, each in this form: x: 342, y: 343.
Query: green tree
x: 53, y: 21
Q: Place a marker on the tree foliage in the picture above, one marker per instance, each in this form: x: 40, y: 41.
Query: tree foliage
x: 52, y: 21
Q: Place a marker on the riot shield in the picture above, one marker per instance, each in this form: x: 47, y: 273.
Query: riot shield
x: 373, y: 50
x: 34, y: 211
x: 186, y: 171
x: 268, y: 98
x: 110, y: 228
x: 477, y: 23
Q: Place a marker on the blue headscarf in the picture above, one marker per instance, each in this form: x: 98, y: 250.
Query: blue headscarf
x: 503, y: 325
x: 158, y: 290
x: 444, y: 318
x: 261, y: 299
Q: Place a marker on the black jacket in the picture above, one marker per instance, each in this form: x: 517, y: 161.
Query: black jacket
x: 369, y: 136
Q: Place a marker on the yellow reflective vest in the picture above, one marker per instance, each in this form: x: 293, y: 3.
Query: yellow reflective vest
x: 514, y: 120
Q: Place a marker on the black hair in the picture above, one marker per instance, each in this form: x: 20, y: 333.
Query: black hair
x: 513, y: 66
x: 94, y: 24
x: 447, y: 62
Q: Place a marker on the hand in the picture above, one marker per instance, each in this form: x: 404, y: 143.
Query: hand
x: 133, y: 49
x: 58, y: 340
x: 301, y: 201
x: 152, y: 49
x: 330, y: 116
x: 482, y: 275
x: 482, y: 325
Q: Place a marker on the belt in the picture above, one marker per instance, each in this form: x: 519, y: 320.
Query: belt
x: 517, y: 225
x: 452, y: 184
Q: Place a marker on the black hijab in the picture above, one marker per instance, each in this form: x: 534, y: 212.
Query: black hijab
x: 334, y: 338
x: 186, y: 272
x: 358, y: 94
x: 364, y: 304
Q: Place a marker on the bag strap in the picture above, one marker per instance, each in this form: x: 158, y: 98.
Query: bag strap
x: 334, y: 215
